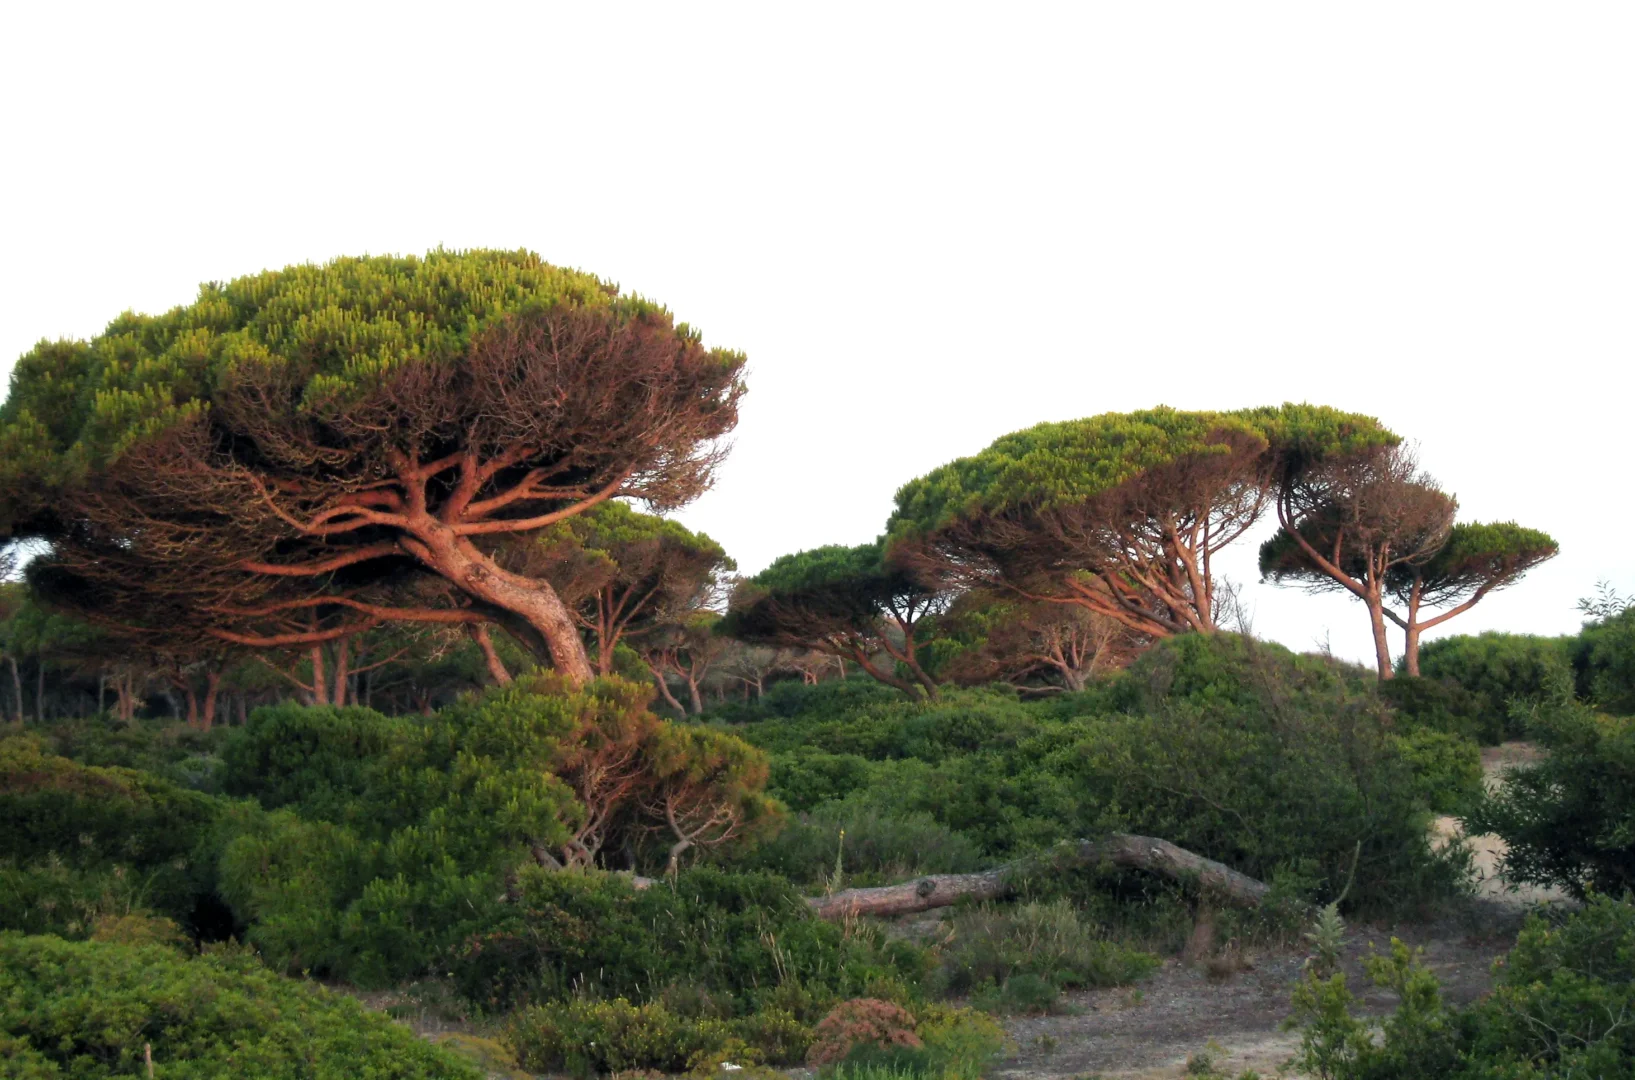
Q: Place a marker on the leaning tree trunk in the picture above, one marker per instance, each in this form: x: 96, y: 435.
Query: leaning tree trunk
x: 1382, y: 645
x: 1120, y: 849
x: 1218, y: 881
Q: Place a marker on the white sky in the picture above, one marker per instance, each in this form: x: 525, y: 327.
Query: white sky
x: 926, y: 225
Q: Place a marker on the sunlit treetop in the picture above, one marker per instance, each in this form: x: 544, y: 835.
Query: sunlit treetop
x: 323, y: 333
x: 1064, y: 463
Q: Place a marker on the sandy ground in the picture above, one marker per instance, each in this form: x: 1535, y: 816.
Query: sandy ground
x: 1151, y: 1031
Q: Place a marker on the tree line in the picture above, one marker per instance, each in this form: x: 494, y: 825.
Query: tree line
x: 378, y: 464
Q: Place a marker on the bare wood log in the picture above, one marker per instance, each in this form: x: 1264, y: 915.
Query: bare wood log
x: 1120, y: 849
x: 1219, y: 881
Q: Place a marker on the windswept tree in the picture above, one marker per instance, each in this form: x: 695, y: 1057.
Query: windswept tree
x: 1356, y: 525
x: 688, y: 648
x: 624, y: 573
x: 322, y: 430
x: 849, y: 602
x: 1474, y: 561
x: 1119, y: 514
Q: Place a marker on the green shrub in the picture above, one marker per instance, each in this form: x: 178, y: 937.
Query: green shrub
x: 1443, y: 705
x: 589, y: 1037
x: 1447, y: 768
x: 1603, y: 659
x: 86, y: 1010
x: 992, y: 946
x: 1560, y: 1010
x: 167, y: 748
x: 746, y: 940
x: 1497, y: 668
x: 1275, y: 764
x: 51, y: 897
x: 1569, y: 818
x: 103, y: 824
x: 319, y: 759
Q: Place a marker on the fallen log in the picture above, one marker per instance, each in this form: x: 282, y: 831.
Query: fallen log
x: 1218, y: 881
x: 1222, y: 883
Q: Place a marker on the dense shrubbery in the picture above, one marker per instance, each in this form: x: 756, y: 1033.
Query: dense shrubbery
x: 1561, y: 1010
x: 1241, y: 751
x: 86, y: 840
x: 748, y: 941
x: 87, y: 1009
x: 1495, y: 669
x: 1603, y: 657
x: 1569, y: 818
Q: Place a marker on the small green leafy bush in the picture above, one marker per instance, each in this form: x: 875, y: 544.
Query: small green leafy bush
x: 588, y: 1037
x: 85, y: 1010
x: 1560, y: 1010
x: 1569, y: 818
x: 1447, y: 769
x: 871, y: 846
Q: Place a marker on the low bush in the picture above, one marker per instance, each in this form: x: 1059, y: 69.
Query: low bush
x: 75, y: 835
x: 1020, y: 956
x: 1447, y: 769
x: 1495, y: 669
x: 87, y: 1010
x: 1568, y: 819
x: 1442, y: 705
x: 748, y: 941
x: 862, y: 1022
x: 588, y: 1037
x: 1603, y: 659
x: 1560, y: 1010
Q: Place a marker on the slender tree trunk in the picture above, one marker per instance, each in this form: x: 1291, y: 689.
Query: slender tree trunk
x: 1382, y: 645
x: 343, y: 657
x: 664, y: 689
x: 192, y: 703
x: 17, y: 685
x: 39, y: 692
x: 320, y: 684
x: 1410, y: 648
x: 212, y: 687
x: 692, y: 690
x: 496, y: 667
x: 243, y: 708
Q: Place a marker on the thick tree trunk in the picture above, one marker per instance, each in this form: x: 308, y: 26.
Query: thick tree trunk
x: 496, y: 666
x: 1121, y: 849
x: 457, y: 559
x: 1410, y: 655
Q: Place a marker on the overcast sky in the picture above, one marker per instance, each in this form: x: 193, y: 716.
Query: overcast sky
x: 927, y: 225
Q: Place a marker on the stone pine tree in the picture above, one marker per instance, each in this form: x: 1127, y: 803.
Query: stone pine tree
x: 1356, y: 525
x: 1120, y: 514
x: 849, y: 602
x: 324, y: 435
x: 1475, y: 560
